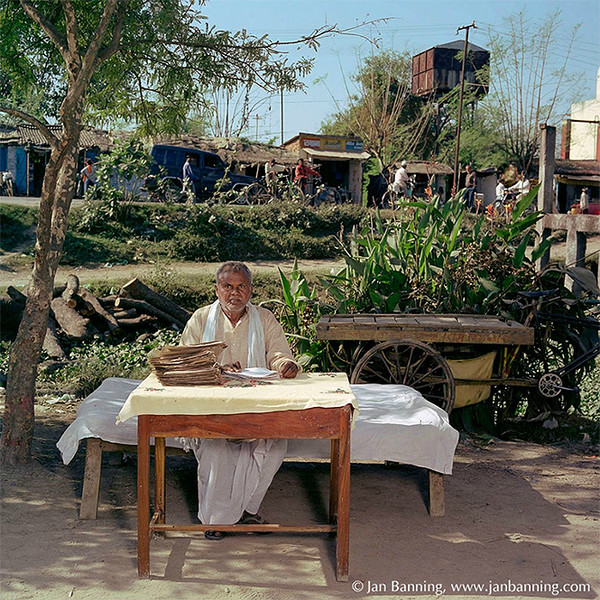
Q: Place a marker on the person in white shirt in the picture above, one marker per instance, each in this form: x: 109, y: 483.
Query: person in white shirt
x: 400, y: 185
x: 272, y: 170
x: 522, y: 187
x: 584, y: 200
x: 500, y: 189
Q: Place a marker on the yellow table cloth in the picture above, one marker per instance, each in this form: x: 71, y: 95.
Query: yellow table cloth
x: 307, y: 390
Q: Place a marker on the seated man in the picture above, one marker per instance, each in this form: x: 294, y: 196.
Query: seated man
x: 233, y: 476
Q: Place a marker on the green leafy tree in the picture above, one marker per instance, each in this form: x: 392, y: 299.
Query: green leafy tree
x: 525, y: 83
x: 382, y: 111
x: 147, y: 62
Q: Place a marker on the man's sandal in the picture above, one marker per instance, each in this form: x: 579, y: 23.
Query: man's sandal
x: 250, y: 519
x: 214, y: 535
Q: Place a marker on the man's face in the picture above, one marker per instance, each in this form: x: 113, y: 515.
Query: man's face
x: 233, y: 291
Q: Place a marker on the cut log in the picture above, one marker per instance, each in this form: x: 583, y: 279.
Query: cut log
x: 84, y: 308
x: 139, y: 291
x: 90, y: 299
x: 15, y: 294
x: 70, y: 321
x: 108, y: 301
x: 146, y: 307
x: 130, y: 313
x: 71, y: 289
x: 51, y: 344
x: 140, y: 321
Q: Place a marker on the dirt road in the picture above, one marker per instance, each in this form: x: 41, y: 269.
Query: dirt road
x: 516, y: 514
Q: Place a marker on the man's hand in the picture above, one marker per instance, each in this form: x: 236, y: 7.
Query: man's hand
x: 236, y: 367
x: 288, y: 370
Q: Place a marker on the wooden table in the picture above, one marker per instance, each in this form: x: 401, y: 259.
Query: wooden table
x: 312, y: 423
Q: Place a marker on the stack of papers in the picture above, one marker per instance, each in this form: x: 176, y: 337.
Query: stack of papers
x: 251, y: 373
x: 188, y: 365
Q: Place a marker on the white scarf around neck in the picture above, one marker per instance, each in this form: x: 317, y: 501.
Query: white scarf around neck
x: 256, y: 335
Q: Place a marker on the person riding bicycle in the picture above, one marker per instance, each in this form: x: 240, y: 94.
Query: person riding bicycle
x: 522, y: 187
x: 401, y: 181
x: 301, y: 174
x: 272, y: 171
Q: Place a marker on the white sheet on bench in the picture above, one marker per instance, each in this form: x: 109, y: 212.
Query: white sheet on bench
x: 394, y: 423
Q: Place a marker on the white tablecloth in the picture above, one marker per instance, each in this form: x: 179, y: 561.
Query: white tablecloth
x: 307, y: 390
x: 394, y: 423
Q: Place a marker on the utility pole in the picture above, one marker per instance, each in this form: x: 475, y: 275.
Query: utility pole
x: 460, y: 103
x: 256, y: 117
x: 282, y: 140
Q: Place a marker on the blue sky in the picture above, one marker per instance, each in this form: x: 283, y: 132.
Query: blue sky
x: 413, y: 26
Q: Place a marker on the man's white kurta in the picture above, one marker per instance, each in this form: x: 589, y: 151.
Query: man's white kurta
x: 235, y: 476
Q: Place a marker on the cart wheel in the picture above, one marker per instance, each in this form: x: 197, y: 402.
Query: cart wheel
x: 410, y: 363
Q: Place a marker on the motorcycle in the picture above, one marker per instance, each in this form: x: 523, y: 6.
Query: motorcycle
x: 7, y: 187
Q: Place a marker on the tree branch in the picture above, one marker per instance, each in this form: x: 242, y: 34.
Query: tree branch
x: 48, y: 135
x: 72, y: 30
x: 49, y: 29
x: 92, y: 52
x: 115, y: 43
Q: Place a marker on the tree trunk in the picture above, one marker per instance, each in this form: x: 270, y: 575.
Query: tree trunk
x: 57, y: 192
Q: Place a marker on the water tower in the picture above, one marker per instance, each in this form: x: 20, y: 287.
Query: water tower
x: 437, y: 70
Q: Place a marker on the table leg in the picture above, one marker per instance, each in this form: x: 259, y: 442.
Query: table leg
x: 343, y: 504
x: 143, y: 493
x: 159, y: 481
x: 333, y: 481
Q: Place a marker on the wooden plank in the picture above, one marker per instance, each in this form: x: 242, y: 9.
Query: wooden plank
x: 159, y: 479
x: 457, y: 329
x: 437, y: 503
x: 318, y: 423
x: 143, y: 497
x: 343, y: 500
x: 91, y: 479
x: 268, y: 527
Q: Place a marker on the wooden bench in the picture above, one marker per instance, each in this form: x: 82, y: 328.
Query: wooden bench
x: 407, y: 439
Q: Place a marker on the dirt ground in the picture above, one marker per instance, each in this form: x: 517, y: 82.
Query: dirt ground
x: 517, y: 515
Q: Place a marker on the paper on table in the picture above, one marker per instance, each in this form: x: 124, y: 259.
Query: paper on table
x: 251, y: 373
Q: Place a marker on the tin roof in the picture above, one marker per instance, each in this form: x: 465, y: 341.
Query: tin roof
x: 230, y: 149
x: 578, y: 168
x: 25, y: 134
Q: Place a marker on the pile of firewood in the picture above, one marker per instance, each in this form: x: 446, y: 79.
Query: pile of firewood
x: 79, y: 315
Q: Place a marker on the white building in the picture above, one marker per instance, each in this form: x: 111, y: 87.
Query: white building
x: 581, y: 132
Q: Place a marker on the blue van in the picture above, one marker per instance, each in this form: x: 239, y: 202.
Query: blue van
x: 208, y: 167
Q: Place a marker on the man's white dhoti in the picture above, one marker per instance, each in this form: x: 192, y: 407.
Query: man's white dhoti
x: 235, y: 476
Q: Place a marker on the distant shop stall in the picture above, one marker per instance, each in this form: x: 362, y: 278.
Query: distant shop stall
x: 339, y: 159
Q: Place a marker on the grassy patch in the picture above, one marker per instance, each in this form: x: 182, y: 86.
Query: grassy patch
x: 16, y: 223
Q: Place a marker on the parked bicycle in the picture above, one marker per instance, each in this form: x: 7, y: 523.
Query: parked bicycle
x: 565, y: 345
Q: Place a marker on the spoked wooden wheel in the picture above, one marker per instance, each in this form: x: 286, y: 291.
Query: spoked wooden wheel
x: 410, y: 363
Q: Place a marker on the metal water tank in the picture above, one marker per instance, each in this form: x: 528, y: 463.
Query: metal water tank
x: 437, y: 70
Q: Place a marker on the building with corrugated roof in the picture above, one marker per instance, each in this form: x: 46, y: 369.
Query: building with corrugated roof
x: 25, y: 153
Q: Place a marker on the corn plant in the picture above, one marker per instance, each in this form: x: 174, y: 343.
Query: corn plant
x: 436, y: 260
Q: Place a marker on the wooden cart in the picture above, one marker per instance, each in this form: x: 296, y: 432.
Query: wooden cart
x: 406, y: 348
